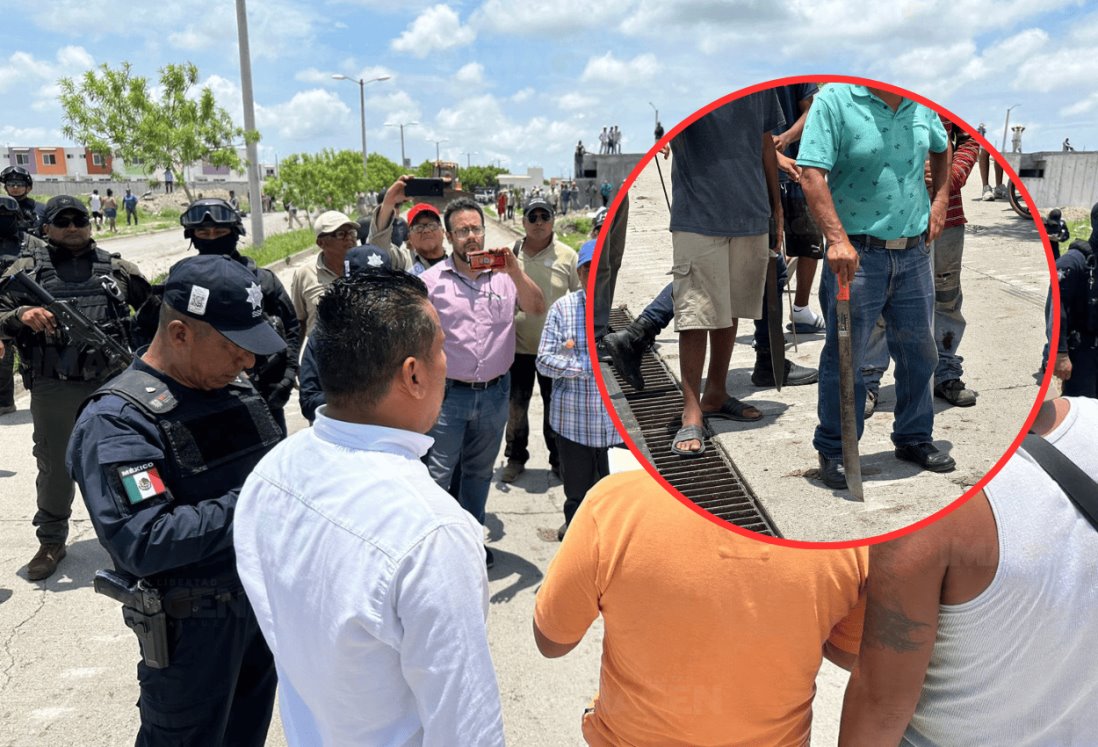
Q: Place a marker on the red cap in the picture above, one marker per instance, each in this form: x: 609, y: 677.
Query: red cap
x: 420, y: 209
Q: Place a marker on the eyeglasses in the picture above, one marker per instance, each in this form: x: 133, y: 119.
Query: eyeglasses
x: 461, y: 233
x: 347, y: 233
x: 427, y: 227
x: 79, y: 221
x: 539, y: 216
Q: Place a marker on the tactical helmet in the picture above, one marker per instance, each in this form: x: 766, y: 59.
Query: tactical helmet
x: 599, y: 219
x: 210, y: 212
x: 16, y: 175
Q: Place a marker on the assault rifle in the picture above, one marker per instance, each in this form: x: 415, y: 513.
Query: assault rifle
x: 71, y: 320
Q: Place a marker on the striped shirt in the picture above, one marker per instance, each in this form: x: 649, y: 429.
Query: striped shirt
x: 961, y: 166
x: 576, y: 409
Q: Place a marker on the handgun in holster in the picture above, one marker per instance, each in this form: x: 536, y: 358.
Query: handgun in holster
x: 142, y: 611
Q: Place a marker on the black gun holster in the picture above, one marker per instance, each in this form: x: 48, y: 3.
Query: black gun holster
x: 142, y: 612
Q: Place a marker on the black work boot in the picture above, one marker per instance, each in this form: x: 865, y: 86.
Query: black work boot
x: 627, y: 346
x: 795, y: 375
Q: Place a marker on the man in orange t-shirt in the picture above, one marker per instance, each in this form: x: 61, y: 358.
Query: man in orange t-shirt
x: 711, y: 638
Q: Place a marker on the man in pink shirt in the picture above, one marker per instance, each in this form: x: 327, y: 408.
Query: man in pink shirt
x: 477, y: 309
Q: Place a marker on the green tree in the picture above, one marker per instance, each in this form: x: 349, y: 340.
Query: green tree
x: 475, y: 177
x: 113, y: 111
x: 329, y: 180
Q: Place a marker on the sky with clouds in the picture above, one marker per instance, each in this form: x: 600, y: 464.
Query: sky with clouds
x: 519, y: 83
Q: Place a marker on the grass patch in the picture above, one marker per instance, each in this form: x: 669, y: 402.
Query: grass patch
x: 280, y: 246
x: 573, y: 231
x: 1080, y: 229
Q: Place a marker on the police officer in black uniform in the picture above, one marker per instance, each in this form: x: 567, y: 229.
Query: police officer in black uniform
x: 160, y: 453
x: 215, y: 227
x: 1077, y: 351
x: 18, y: 183
x: 14, y: 241
x: 61, y: 372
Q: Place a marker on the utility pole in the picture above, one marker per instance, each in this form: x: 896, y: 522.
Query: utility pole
x: 255, y: 199
x: 401, y: 125
x: 362, y: 110
x: 1006, y: 125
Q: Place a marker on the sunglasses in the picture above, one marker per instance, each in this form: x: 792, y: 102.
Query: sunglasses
x: 539, y: 216
x: 62, y: 221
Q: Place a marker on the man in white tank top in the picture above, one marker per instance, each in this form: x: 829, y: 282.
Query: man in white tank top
x: 980, y: 629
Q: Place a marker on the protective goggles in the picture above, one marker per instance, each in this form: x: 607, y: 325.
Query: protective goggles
x: 9, y: 205
x: 199, y: 214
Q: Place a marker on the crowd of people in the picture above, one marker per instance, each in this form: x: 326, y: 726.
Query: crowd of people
x: 345, y: 563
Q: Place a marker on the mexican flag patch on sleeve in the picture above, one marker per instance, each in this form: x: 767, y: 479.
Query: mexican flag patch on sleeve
x: 142, y: 482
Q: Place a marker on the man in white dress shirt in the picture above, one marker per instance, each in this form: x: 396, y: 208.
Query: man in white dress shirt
x: 367, y: 579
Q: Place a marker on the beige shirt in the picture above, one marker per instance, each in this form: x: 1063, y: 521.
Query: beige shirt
x: 553, y: 269
x: 307, y: 285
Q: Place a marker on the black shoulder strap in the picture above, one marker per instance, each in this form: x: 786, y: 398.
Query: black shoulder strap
x: 1077, y: 484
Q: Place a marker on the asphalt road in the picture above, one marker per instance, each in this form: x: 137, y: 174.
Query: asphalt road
x: 1004, y: 279
x: 67, y: 662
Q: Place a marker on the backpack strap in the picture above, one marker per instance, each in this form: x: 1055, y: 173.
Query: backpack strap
x: 1077, y: 484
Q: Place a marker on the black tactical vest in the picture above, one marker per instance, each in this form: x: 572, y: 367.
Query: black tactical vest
x: 60, y: 358
x: 212, y: 441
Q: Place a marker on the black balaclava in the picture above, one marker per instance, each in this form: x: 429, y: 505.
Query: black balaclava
x: 226, y: 245
x: 10, y: 225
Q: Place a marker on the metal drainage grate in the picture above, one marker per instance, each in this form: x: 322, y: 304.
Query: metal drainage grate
x: 652, y: 417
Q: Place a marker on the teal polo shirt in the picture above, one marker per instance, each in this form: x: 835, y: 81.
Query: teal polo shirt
x: 874, y: 157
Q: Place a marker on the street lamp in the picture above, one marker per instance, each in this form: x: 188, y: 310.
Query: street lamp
x: 401, y: 125
x: 362, y: 107
x: 438, y: 158
x: 468, y: 156
x: 1006, y: 125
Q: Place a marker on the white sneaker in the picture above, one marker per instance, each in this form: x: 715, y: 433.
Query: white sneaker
x: 988, y: 194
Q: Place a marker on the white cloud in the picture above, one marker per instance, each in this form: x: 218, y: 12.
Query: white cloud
x: 23, y: 67
x: 191, y: 39
x: 1082, y: 106
x: 610, y: 70
x: 1065, y: 67
x: 315, y: 113
x: 394, y: 106
x: 473, y: 73
x: 513, y: 17
x: 312, y: 75
x: 436, y: 29
x: 71, y: 57
x: 576, y: 101
x: 27, y: 135
x: 522, y: 95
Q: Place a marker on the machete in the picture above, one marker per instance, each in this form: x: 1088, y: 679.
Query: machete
x: 851, y: 459
x: 774, y: 322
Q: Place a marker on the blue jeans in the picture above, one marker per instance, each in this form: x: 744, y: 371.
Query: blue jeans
x: 661, y: 311
x: 949, y: 323
x: 899, y: 286
x: 469, y: 431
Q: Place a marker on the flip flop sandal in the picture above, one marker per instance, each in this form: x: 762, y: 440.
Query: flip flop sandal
x: 804, y: 328
x: 733, y: 409
x: 689, y: 433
